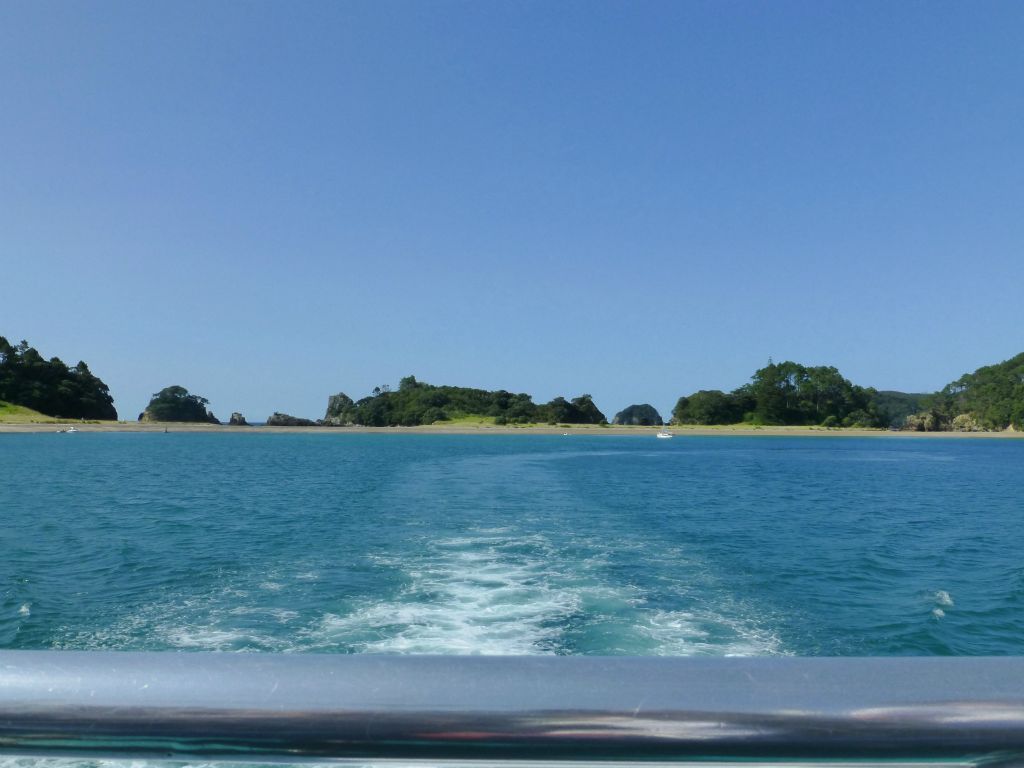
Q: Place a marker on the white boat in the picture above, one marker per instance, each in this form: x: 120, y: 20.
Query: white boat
x: 72, y: 429
x: 664, y: 434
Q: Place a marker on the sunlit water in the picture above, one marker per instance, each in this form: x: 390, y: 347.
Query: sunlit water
x: 342, y: 543
x: 350, y: 543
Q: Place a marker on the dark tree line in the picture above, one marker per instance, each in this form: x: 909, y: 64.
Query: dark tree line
x: 786, y: 394
x: 991, y: 398
x: 415, y: 403
x: 50, y: 386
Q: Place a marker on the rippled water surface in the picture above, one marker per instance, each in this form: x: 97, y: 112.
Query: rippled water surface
x: 351, y: 543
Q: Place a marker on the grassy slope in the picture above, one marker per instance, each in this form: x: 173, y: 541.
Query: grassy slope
x: 19, y: 414
x: 465, y: 419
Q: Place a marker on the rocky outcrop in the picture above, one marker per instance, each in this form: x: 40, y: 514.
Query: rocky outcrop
x: 926, y: 421
x: 638, y: 416
x: 966, y: 422
x: 284, y: 420
x: 340, y: 411
x: 931, y: 421
x: 238, y: 420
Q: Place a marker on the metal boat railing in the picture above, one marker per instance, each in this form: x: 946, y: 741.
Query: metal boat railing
x: 266, y: 707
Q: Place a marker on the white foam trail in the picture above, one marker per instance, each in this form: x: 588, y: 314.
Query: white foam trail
x: 482, y: 595
x: 683, y: 633
x: 493, y: 591
x: 465, y: 596
x: 25, y: 610
x: 942, y: 597
x: 205, y: 638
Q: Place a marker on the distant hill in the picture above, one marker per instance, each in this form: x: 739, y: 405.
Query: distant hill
x: 50, y: 386
x: 416, y: 402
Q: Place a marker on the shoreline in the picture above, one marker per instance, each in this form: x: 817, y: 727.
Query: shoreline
x: 485, y: 429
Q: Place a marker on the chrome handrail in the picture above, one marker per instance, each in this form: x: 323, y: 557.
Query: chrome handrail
x: 443, y: 708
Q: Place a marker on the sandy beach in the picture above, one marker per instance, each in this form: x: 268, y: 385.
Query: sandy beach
x: 485, y: 429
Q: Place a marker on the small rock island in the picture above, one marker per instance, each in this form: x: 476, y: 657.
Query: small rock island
x: 175, y: 403
x: 644, y: 415
x: 284, y: 420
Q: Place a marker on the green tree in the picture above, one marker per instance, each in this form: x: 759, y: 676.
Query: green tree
x: 708, y: 406
x: 586, y: 412
x: 785, y: 394
x: 774, y: 388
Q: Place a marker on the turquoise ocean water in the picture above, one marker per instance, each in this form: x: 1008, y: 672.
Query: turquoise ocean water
x: 354, y: 543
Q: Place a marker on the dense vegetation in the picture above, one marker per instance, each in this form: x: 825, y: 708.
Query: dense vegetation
x: 991, y: 398
x: 415, y: 403
x: 50, y: 386
x: 176, y: 404
x: 896, y: 407
x: 785, y: 394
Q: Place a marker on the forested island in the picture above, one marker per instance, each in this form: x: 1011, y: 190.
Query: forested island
x: 175, y: 403
x: 779, y: 394
x: 415, y: 403
x: 50, y: 386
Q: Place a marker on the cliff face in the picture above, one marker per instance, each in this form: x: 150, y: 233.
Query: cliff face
x: 966, y: 422
x: 340, y: 410
x: 284, y: 420
x: 643, y: 415
x: 238, y: 420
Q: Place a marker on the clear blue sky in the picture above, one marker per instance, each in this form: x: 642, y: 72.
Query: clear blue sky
x: 270, y: 202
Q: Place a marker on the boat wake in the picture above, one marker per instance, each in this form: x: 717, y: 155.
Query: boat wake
x: 506, y: 595
x: 462, y: 596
